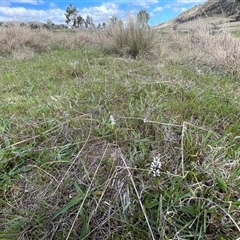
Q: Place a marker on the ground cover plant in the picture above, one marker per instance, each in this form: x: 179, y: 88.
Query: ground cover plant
x: 96, y: 144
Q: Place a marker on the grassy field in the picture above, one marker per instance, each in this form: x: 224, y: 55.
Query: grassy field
x: 98, y: 141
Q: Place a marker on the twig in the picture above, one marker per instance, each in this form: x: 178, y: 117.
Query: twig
x: 184, y: 128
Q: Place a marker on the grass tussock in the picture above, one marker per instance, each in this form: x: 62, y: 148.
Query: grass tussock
x: 131, y: 38
x: 97, y: 146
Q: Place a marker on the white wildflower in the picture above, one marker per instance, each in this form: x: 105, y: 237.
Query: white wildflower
x: 112, y: 120
x: 156, y: 166
x: 73, y: 64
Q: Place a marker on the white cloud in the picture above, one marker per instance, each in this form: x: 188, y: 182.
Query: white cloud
x: 145, y: 4
x: 27, y: 1
x: 100, y: 13
x: 107, y: 8
x: 179, y: 10
x: 161, y: 9
x: 25, y: 15
x: 4, y: 3
x: 183, y: 9
x: 52, y: 5
x: 158, y: 9
x: 103, y: 12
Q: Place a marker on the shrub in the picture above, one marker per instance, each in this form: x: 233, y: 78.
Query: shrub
x: 131, y: 38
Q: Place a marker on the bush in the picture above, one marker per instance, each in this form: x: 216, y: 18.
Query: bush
x: 132, y: 38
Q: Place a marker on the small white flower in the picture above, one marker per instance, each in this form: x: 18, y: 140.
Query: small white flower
x: 156, y: 166
x: 73, y: 64
x: 112, y: 120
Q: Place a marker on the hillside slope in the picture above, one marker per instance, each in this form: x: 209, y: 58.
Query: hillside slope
x: 221, y: 8
x: 218, y: 12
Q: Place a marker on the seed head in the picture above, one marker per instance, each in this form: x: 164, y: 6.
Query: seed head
x: 156, y: 166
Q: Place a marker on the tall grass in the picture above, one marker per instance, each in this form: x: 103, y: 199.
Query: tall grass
x: 203, y: 46
x: 18, y: 39
x: 131, y: 38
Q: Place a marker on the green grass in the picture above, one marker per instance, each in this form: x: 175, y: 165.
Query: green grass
x: 235, y: 33
x: 67, y: 173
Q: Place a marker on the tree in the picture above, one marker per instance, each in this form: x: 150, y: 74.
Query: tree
x: 89, y: 22
x: 143, y: 18
x: 120, y: 23
x: 113, y: 20
x: 71, y: 15
x: 104, y: 25
x: 49, y: 22
x: 76, y: 20
x: 80, y: 21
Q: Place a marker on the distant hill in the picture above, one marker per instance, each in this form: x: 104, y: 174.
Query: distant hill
x: 222, y: 8
x: 214, y: 12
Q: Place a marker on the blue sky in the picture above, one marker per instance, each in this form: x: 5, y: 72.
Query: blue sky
x: 42, y: 10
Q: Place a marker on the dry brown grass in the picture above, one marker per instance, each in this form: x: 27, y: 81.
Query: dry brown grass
x: 24, y: 41
x: 218, y: 50
x: 131, y: 39
x: 225, y: 51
